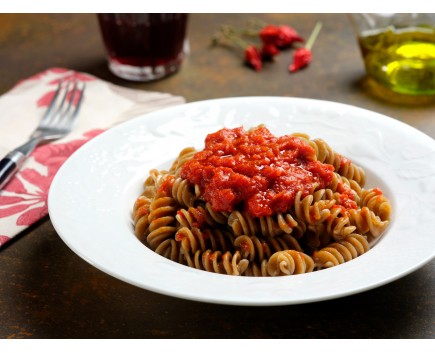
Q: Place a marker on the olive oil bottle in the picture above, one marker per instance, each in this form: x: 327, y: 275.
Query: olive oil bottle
x: 401, y: 59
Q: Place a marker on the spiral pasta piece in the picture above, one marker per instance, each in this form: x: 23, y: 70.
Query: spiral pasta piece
x: 339, y: 182
x: 190, y: 239
x: 300, y: 230
x: 255, y: 248
x: 338, y: 225
x: 185, y: 155
x: 376, y: 202
x: 153, y: 182
x: 218, y: 217
x: 312, y: 212
x: 220, y: 238
x: 242, y: 224
x: 193, y: 239
x: 341, y: 251
x: 342, y: 165
x: 217, y: 262
x: 301, y: 135
x: 161, y: 221
x: 286, y: 222
x: 170, y: 249
x: 289, y: 262
x: 184, y: 193
x: 195, y: 217
x: 141, y: 210
x: 329, y: 194
x: 323, y: 194
x: 352, y: 172
x: 254, y: 269
x: 366, y: 221
x: 270, y: 226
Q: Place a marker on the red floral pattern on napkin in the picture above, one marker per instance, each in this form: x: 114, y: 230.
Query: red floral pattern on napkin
x: 29, y: 189
x: 25, y: 197
x: 4, y: 239
x: 24, y: 200
x: 61, y: 73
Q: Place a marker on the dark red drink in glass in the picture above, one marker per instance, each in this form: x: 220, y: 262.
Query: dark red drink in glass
x: 144, y: 47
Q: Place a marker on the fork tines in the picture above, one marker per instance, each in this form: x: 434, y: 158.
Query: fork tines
x: 60, y: 113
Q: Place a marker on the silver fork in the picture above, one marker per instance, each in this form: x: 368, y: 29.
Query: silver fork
x: 57, y: 121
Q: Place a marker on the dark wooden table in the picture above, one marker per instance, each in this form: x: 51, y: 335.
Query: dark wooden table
x: 47, y: 291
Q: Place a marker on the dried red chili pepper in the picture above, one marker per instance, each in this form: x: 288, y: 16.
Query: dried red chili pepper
x: 302, y: 56
x: 280, y: 36
x: 269, y: 34
x: 288, y: 36
x: 268, y: 51
x: 228, y: 35
x: 273, y: 39
x: 253, y: 57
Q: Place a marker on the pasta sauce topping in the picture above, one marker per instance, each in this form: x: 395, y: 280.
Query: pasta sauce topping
x: 255, y: 170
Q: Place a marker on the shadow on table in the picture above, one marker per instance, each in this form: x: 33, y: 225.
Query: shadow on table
x: 59, y: 295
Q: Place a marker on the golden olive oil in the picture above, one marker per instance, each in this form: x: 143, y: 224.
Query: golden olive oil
x: 401, y: 59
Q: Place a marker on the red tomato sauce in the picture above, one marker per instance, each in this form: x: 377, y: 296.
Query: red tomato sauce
x: 255, y: 171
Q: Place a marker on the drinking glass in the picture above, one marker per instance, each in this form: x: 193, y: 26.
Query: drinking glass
x: 144, y: 46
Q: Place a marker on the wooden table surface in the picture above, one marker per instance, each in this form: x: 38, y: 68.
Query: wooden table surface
x: 47, y: 291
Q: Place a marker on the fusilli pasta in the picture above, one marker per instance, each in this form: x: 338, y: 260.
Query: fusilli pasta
x: 260, y: 205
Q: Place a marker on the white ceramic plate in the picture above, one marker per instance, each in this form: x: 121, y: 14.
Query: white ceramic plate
x: 92, y: 195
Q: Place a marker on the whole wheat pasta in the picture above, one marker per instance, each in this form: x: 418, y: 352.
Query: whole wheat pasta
x: 253, y: 204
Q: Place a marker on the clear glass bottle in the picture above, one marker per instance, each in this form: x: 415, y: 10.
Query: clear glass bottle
x: 398, y: 50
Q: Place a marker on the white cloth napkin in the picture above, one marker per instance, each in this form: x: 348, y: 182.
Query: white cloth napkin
x: 24, y: 199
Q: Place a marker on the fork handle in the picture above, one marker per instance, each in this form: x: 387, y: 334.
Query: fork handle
x: 9, y: 165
